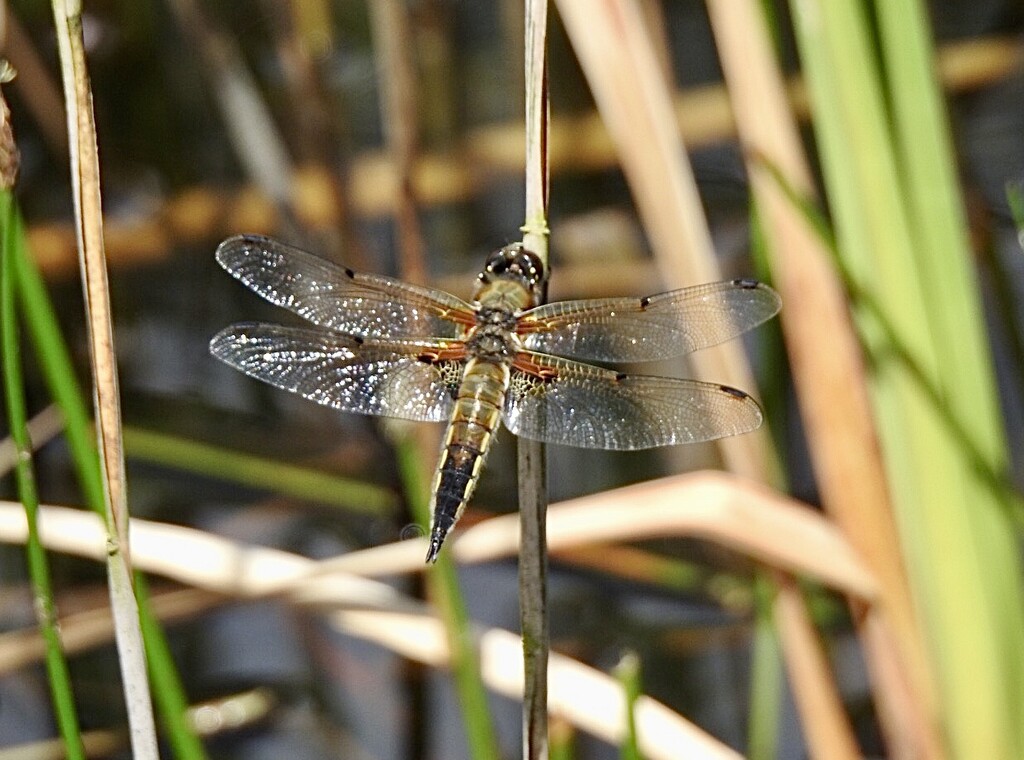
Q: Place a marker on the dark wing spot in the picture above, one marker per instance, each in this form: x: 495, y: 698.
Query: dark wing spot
x: 748, y: 284
x: 620, y: 377
x: 644, y: 302
x: 734, y: 392
x: 427, y: 358
x: 350, y: 273
x: 357, y: 339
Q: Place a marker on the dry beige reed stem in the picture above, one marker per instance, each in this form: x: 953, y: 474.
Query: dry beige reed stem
x: 85, y: 182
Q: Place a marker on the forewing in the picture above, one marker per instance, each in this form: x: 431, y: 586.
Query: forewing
x: 391, y: 379
x: 365, y: 305
x: 651, y: 328
x: 594, y: 408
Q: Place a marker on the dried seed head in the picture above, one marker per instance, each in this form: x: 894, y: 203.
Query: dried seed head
x: 8, y: 149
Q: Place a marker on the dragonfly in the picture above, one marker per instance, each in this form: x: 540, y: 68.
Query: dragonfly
x: 380, y: 346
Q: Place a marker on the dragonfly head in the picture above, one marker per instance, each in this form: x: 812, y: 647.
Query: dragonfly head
x: 515, y: 263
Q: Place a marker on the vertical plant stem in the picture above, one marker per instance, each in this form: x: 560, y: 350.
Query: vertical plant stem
x: 533, y: 556
x: 169, y: 692
x: 628, y: 673
x: 39, y: 572
x: 766, y: 677
x: 89, y: 226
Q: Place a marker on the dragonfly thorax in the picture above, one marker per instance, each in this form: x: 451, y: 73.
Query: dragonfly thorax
x: 493, y: 337
x: 493, y: 342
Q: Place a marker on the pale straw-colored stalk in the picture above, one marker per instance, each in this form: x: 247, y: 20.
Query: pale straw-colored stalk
x: 89, y: 226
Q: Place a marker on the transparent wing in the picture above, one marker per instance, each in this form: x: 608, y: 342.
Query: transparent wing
x: 391, y: 379
x: 646, y: 329
x: 365, y: 305
x: 560, y: 401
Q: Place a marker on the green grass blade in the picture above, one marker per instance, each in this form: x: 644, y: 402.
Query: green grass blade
x: 168, y: 691
x: 767, y: 682
x: 292, y: 480
x: 39, y: 571
x: 938, y: 223
x: 996, y: 480
x: 1015, y: 200
x: 58, y: 370
x: 628, y: 674
x: 561, y: 744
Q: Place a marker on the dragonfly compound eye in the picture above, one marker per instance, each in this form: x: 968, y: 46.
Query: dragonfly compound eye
x: 529, y: 267
x: 515, y: 262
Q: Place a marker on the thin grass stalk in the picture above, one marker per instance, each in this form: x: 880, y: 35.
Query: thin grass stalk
x: 1001, y: 279
x: 169, y: 692
x: 256, y: 140
x: 58, y: 371
x: 35, y: 77
x: 1015, y: 200
x: 396, y: 74
x: 418, y: 447
x: 89, y: 226
x: 767, y: 683
x: 61, y: 692
x: 42, y: 428
x: 258, y: 472
x: 628, y: 674
x: 959, y: 547
x: 1004, y: 293
x: 533, y: 502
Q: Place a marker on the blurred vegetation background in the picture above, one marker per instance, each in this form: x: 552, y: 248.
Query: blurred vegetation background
x: 281, y: 118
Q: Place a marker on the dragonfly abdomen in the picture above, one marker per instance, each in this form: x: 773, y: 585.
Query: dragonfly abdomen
x: 476, y: 416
